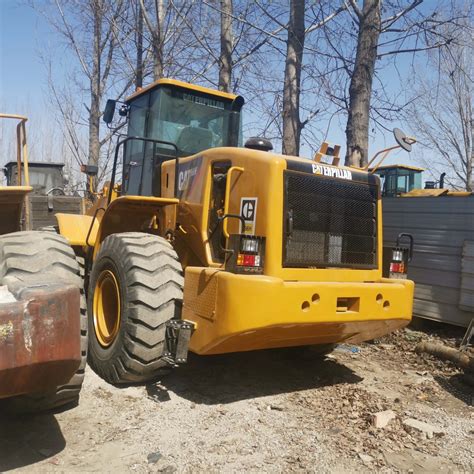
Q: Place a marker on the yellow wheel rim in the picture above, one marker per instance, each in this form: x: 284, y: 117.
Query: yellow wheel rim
x: 106, y: 308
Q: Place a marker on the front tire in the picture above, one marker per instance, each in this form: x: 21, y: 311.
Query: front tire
x: 136, y: 286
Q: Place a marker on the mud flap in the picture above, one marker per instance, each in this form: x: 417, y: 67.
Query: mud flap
x: 178, y: 335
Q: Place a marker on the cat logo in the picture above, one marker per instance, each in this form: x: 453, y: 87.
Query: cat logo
x: 248, y: 210
x: 331, y: 171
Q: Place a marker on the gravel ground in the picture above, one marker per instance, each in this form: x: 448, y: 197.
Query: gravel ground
x: 268, y: 411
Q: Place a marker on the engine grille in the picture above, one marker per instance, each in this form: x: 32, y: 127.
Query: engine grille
x: 329, y: 222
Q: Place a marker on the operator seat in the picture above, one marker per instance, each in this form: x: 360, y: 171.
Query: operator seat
x: 193, y: 139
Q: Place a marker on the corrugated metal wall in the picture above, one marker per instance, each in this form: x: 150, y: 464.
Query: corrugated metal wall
x: 466, y: 298
x: 440, y: 226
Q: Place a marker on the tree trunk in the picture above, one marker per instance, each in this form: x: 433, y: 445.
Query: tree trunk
x: 441, y: 351
x: 225, y: 59
x: 94, y: 110
x: 470, y: 159
x: 360, y: 89
x: 157, y: 39
x: 139, y: 66
x: 291, y: 93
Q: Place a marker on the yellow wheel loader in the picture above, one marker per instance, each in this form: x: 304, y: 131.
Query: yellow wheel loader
x: 43, y: 322
x: 199, y: 243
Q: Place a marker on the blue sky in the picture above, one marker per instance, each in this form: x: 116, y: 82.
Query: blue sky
x: 23, y: 78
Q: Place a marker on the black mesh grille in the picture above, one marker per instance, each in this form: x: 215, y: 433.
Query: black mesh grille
x: 329, y: 222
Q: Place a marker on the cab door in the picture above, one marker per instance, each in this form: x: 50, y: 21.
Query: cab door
x: 134, y: 153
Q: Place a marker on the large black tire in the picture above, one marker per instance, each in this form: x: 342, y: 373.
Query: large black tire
x: 32, y: 258
x: 141, y: 272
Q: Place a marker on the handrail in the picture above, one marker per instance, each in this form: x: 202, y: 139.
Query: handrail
x: 14, y: 116
x: 21, y: 151
x: 227, y: 196
x: 21, y: 146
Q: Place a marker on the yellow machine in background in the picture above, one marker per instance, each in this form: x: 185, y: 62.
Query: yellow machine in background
x: 203, y: 243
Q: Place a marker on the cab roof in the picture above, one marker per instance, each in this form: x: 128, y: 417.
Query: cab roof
x: 403, y: 167
x: 182, y: 85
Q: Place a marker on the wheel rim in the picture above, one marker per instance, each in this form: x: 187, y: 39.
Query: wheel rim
x: 106, y: 308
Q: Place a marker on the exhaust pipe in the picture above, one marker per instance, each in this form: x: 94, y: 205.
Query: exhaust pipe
x: 441, y: 180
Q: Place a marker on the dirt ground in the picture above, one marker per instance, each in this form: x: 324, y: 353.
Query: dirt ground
x: 267, y: 411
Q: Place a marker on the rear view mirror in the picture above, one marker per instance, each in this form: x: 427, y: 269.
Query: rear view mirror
x: 402, y: 140
x: 109, y: 111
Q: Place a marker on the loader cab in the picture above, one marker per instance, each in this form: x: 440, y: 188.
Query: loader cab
x: 399, y: 179
x: 44, y: 178
x: 182, y: 120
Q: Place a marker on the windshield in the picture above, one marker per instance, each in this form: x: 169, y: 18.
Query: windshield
x: 193, y: 122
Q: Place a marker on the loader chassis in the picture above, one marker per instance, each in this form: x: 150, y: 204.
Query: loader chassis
x: 276, y: 251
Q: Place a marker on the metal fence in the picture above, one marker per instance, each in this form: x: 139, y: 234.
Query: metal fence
x: 443, y: 261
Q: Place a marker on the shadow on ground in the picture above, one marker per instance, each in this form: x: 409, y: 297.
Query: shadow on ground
x: 232, y: 377
x: 457, y: 386
x: 28, y: 439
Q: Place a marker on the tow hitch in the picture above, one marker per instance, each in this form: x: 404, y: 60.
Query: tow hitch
x: 178, y: 335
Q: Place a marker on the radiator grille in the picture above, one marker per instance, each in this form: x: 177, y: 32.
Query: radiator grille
x: 329, y: 222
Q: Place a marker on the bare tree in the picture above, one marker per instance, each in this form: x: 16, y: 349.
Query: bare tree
x: 291, y: 89
x: 89, y: 29
x: 225, y: 60
x: 157, y: 33
x: 360, y: 89
x: 286, y: 106
x: 139, y: 42
x: 404, y: 29
x: 442, y: 113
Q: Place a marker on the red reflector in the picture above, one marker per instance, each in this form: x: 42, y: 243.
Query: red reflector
x: 397, y: 267
x: 249, y: 260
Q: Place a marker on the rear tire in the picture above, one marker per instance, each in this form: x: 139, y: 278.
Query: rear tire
x: 31, y: 258
x: 136, y: 286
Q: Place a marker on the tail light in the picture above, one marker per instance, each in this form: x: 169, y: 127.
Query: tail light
x: 401, y: 256
x: 246, y: 254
